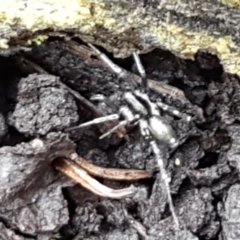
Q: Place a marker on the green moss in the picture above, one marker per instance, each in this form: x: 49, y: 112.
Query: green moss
x: 37, y: 40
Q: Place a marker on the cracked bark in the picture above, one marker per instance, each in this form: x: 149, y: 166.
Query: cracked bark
x: 183, y: 27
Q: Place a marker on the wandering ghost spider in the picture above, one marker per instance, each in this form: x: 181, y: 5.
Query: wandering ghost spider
x: 140, y: 111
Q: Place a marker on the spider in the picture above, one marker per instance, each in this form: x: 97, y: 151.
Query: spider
x: 140, y: 111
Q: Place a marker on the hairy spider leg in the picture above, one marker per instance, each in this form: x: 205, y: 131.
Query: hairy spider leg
x: 144, y: 129
x: 145, y: 132
x: 153, y: 109
x: 141, y: 70
x: 98, y: 97
x: 174, y: 111
x: 121, y: 73
x: 121, y: 124
x: 96, y: 121
x: 165, y: 178
x: 129, y: 119
x: 134, y: 103
x: 127, y: 114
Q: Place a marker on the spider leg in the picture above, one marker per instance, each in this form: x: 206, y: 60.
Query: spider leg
x: 96, y: 121
x: 135, y: 104
x: 130, y: 119
x: 153, y: 109
x: 174, y: 111
x: 165, y: 178
x: 98, y: 97
x: 142, y: 72
x: 121, y: 124
x: 119, y: 71
x: 144, y: 128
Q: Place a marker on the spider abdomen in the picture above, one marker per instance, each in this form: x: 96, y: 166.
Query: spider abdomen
x: 162, y: 131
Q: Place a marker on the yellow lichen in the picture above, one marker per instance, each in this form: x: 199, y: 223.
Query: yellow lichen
x: 231, y: 3
x: 187, y: 43
x: 36, y: 15
x: 87, y: 16
x: 3, y: 43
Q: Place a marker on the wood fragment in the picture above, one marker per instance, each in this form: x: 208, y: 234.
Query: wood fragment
x: 81, y: 177
x: 109, y: 173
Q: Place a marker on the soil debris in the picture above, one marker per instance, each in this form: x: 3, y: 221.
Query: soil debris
x: 38, y: 201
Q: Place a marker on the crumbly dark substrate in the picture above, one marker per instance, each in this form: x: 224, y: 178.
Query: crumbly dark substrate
x: 37, y: 202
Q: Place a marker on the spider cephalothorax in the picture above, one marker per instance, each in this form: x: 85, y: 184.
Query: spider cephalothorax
x: 139, y: 110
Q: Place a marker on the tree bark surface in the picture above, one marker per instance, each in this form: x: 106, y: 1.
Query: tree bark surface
x: 123, y: 26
